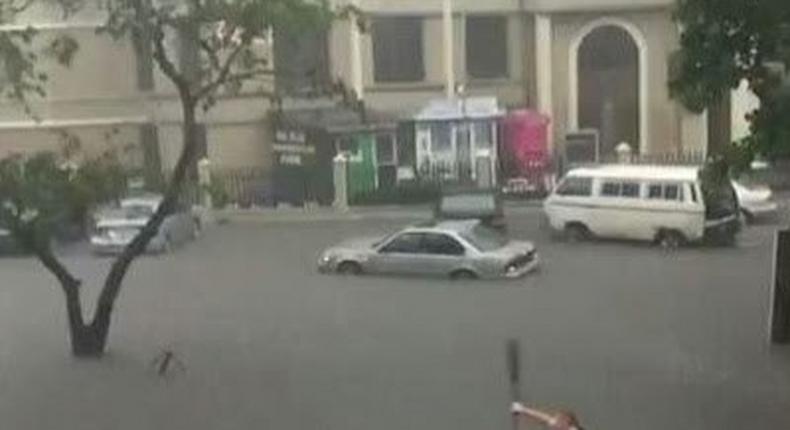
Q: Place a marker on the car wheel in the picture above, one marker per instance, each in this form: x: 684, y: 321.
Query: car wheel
x: 671, y: 239
x: 463, y: 275
x: 349, y: 268
x: 576, y: 233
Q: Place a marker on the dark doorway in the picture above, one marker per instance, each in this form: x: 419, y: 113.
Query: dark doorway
x: 608, y: 71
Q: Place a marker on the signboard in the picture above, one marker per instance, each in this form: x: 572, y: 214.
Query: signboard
x: 290, y: 136
x: 582, y: 147
x: 291, y: 147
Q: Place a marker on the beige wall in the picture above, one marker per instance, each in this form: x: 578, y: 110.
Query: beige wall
x: 657, y: 28
x: 244, y: 145
x: 94, y: 141
x: 98, y: 93
x: 237, y: 146
x: 409, y: 97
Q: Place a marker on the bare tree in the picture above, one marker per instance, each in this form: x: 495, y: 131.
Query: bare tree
x: 227, y: 35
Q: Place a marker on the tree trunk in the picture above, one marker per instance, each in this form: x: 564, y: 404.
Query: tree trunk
x: 87, y: 341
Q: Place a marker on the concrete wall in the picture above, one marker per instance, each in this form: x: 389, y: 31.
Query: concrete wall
x: 663, y: 116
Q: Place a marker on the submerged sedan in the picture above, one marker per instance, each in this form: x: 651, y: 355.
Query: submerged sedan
x: 456, y: 249
x: 116, y: 228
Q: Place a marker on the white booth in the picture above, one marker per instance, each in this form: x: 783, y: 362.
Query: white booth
x: 457, y: 140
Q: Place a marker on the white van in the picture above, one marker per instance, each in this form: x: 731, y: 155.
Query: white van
x: 665, y: 204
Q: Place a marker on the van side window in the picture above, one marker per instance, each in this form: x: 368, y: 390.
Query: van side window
x: 610, y: 189
x: 672, y: 192
x: 630, y: 189
x: 693, y: 192
x: 575, y: 187
x: 620, y: 189
x: 655, y: 191
x: 665, y: 192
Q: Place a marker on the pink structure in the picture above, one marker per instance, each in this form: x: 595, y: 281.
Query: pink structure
x: 526, y: 141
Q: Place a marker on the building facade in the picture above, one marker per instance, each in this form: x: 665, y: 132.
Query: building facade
x: 587, y: 64
x: 599, y: 64
x: 113, y: 97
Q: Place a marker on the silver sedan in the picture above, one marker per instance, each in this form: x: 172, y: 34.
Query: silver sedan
x: 115, y: 229
x: 458, y: 249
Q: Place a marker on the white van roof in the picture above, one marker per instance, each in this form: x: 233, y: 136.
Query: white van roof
x: 631, y: 171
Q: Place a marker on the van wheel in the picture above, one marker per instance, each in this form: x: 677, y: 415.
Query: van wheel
x: 576, y: 233
x: 671, y: 239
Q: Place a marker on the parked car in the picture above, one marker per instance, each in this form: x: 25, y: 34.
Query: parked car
x: 116, y: 228
x: 756, y: 202
x: 665, y: 204
x: 484, y: 205
x: 457, y: 249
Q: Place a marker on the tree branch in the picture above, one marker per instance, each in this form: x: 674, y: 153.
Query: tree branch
x: 166, y: 65
x: 211, y: 53
x: 222, y: 75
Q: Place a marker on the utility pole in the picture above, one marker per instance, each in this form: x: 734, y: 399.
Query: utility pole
x: 448, y: 48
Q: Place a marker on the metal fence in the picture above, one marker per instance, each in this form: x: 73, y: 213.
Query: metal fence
x: 240, y: 186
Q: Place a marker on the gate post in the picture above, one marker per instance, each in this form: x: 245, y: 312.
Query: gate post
x: 340, y: 177
x: 204, y: 181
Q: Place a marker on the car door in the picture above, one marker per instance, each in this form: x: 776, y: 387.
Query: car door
x: 401, y: 255
x: 443, y: 254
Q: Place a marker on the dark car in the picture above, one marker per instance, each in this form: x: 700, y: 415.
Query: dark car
x: 484, y: 205
x: 8, y: 245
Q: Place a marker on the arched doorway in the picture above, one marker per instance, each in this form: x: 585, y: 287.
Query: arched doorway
x: 608, y: 88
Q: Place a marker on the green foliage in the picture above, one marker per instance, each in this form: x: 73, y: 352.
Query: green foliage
x: 20, y: 54
x: 43, y: 190
x: 224, y: 36
x: 724, y: 42
x: 219, y: 194
x: 406, y: 193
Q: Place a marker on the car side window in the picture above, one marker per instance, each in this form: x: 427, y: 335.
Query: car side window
x: 406, y: 243
x: 441, y: 244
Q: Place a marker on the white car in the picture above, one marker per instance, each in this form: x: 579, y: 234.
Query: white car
x: 755, y: 201
x: 116, y: 228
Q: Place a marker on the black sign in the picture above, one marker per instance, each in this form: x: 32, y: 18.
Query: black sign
x: 581, y: 147
x: 780, y: 295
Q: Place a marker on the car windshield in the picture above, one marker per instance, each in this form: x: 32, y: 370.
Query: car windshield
x: 484, y: 238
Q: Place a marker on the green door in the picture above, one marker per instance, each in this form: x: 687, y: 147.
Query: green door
x: 362, y: 165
